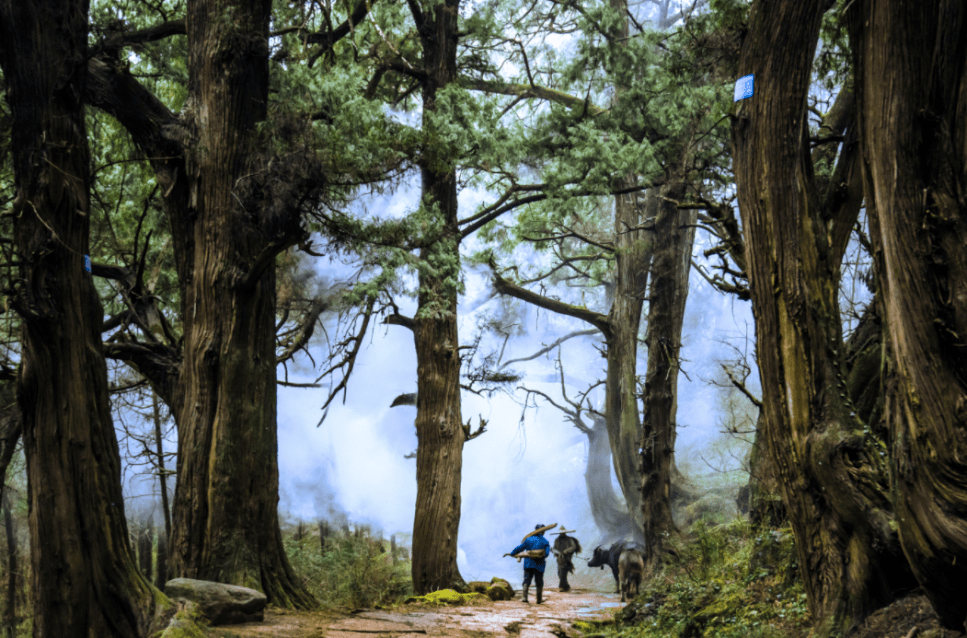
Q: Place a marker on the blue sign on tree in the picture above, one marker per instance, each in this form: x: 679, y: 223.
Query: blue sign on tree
x: 744, y: 87
x: 87, y: 263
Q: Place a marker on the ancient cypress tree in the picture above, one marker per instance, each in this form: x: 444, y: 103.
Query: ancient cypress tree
x: 830, y: 466
x: 85, y: 581
x: 439, y: 425
x: 911, y: 84
x: 233, y: 203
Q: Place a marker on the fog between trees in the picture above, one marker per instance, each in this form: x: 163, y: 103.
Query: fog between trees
x: 587, y: 163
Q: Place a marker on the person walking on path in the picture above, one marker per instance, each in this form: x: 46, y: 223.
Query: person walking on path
x: 536, y: 549
x: 565, y: 547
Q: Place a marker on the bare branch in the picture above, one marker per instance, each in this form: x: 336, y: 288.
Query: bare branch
x: 578, y: 333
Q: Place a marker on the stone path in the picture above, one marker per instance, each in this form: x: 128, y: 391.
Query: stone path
x: 503, y: 618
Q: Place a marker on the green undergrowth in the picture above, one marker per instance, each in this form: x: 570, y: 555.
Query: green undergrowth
x: 353, y: 572
x: 721, y: 581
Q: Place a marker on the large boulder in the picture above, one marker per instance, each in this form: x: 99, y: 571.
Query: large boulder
x: 220, y: 604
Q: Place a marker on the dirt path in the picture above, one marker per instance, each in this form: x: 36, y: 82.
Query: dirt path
x: 504, y: 618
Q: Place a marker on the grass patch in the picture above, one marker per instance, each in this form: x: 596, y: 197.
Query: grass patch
x: 721, y: 581
x: 353, y: 571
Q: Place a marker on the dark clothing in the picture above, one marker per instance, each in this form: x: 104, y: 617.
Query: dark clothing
x: 536, y: 574
x: 565, y: 547
x: 534, y: 542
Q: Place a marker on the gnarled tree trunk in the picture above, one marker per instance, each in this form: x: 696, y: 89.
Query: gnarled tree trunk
x: 226, y: 525
x: 832, y: 480
x: 84, y: 578
x: 911, y: 66
x: 633, y: 253
x: 675, y: 232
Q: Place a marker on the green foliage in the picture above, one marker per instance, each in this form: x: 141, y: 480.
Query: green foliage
x: 353, y: 571
x: 832, y: 68
x: 715, y: 586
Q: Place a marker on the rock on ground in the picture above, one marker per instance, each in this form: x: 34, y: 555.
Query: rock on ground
x: 220, y: 604
x: 909, y: 617
x: 496, y: 589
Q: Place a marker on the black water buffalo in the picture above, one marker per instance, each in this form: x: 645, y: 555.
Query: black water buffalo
x: 565, y: 547
x: 610, y: 557
x: 631, y: 569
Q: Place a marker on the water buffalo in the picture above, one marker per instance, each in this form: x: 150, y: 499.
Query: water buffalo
x: 610, y: 557
x: 565, y: 547
x: 631, y: 569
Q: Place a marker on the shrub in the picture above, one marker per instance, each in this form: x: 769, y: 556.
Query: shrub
x: 352, y: 572
x: 716, y: 584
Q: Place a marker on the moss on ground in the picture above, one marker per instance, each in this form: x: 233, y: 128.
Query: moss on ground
x: 448, y: 597
x: 187, y: 623
x: 723, y: 581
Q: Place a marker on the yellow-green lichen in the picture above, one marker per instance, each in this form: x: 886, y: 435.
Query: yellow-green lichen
x: 448, y: 597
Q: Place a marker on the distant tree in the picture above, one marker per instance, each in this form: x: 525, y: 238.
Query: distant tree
x: 610, y: 514
x: 645, y: 256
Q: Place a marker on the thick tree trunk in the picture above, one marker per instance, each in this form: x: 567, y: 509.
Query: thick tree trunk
x: 440, y: 435
x: 911, y: 61
x: 670, y: 267
x: 832, y: 481
x: 84, y: 578
x: 225, y: 525
x: 633, y: 252
x: 439, y: 429
x: 766, y: 508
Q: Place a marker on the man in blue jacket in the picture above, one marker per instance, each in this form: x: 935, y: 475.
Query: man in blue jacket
x: 534, y: 567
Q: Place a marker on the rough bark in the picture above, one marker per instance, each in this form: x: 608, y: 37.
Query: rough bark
x: 670, y: 267
x: 633, y: 253
x: 911, y: 68
x: 766, y: 508
x: 225, y: 524
x: 439, y: 430
x: 84, y: 578
x: 832, y: 480
x: 11, y: 428
x: 10, y: 607
x: 227, y: 96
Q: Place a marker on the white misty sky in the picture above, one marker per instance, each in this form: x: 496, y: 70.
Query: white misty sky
x: 513, y: 476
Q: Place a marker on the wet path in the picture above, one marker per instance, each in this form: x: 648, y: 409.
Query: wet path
x: 503, y: 618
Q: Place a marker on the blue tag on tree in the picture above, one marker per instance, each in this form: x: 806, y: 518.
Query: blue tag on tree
x: 744, y: 87
x: 87, y: 263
